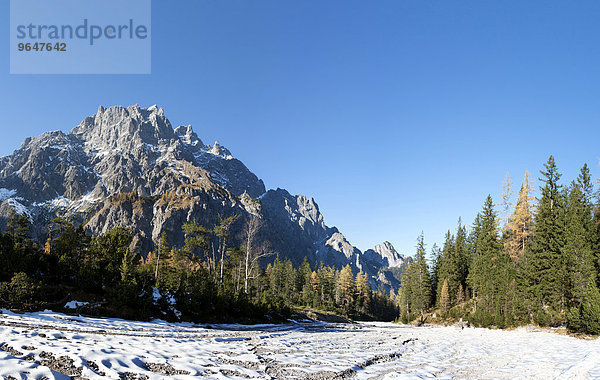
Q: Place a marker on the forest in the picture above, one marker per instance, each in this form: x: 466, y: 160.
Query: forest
x: 534, y: 262
x: 206, y: 280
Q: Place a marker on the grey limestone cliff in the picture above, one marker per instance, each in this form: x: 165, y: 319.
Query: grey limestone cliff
x: 130, y: 167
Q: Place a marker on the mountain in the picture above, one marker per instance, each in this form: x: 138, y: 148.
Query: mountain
x: 130, y: 167
x: 385, y: 255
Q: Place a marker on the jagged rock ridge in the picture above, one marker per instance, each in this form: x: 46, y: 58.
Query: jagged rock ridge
x: 129, y: 167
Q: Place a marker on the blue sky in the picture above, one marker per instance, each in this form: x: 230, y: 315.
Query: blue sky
x: 396, y: 116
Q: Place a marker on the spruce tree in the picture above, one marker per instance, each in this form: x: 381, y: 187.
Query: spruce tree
x: 584, y: 181
x: 578, y: 248
x: 460, y: 297
x: 313, y: 295
x: 545, y: 269
x: 485, y: 269
x: 422, y: 291
x: 406, y: 292
x: 435, y: 271
x: 444, y: 263
x: 454, y: 262
x: 460, y: 259
x: 586, y: 318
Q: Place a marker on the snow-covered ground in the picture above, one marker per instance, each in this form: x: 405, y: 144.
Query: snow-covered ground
x: 48, y: 344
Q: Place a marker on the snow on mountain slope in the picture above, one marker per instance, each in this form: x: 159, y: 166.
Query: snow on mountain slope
x: 129, y: 167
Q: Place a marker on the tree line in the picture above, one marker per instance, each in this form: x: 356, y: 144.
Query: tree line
x: 207, y: 279
x: 537, y: 261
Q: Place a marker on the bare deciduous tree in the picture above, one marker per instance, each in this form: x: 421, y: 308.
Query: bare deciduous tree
x: 252, y: 252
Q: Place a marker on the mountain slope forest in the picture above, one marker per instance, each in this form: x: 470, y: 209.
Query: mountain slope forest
x: 536, y: 261
x: 189, y: 283
x: 140, y: 219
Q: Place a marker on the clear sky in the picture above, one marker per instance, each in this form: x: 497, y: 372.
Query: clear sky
x: 396, y: 116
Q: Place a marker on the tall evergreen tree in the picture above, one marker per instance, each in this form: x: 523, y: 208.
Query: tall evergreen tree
x: 586, y: 317
x: 460, y: 259
x: 454, y: 262
x: 435, y: 271
x: 545, y: 267
x: 485, y: 268
x: 444, y: 264
x: 589, y: 311
x: 421, y: 283
x: 578, y: 248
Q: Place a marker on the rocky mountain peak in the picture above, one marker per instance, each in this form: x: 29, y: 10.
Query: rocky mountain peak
x: 338, y: 242
x: 127, y: 166
x: 188, y: 136
x: 220, y: 151
x: 125, y: 128
x: 388, y: 254
x: 299, y: 210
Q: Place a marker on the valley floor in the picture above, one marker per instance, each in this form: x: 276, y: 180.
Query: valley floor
x: 53, y: 345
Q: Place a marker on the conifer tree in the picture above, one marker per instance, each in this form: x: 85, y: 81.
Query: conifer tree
x: 126, y: 266
x: 584, y: 180
x: 460, y: 297
x: 18, y: 226
x: 346, y: 289
x: 586, y: 317
x: 290, y: 293
x: 435, y: 271
x: 459, y: 260
x: 445, y: 298
x: 163, y: 250
x: 326, y: 286
x: 454, y: 262
x: 484, y: 269
x: 419, y: 280
x: 519, y: 230
x: 311, y: 292
x: 444, y: 263
x: 545, y: 269
x: 578, y: 249
x: 278, y: 280
x: 506, y: 204
x: 472, y: 239
x: 407, y: 291
x: 590, y: 309
x: 48, y: 246
x: 363, y: 292
x: 314, y: 281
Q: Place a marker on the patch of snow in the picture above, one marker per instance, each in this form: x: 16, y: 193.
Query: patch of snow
x: 6, y: 193
x: 156, y: 294
x: 293, y: 350
x: 20, y: 208
x: 59, y: 202
x: 75, y: 304
x: 171, y: 300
